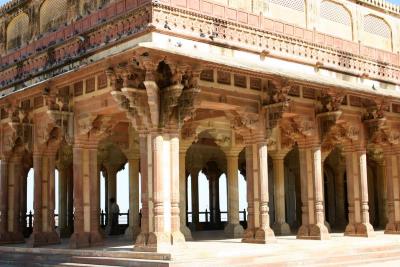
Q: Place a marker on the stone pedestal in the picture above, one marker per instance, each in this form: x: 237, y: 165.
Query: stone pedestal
x: 280, y: 226
x: 160, y: 225
x: 313, y: 221
x: 233, y: 229
x: 86, y: 196
x: 357, y: 188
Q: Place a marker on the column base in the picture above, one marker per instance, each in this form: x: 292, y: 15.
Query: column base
x: 392, y: 228
x: 264, y: 236
x: 359, y: 229
x: 159, y: 242
x: 248, y: 236
x: 186, y: 232
x: 234, y: 230
x: 84, y: 240
x: 281, y: 229
x: 44, y: 239
x: 313, y: 232
x: 132, y: 232
x: 11, y: 238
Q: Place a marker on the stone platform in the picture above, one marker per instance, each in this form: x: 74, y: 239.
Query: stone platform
x: 212, y: 249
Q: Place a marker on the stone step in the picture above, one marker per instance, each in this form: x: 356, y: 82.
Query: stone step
x: 109, y: 261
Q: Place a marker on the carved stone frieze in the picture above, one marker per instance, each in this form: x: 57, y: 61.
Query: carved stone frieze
x: 94, y: 126
x: 17, y: 130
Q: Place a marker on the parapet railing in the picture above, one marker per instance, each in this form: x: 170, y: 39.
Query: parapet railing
x: 73, y: 40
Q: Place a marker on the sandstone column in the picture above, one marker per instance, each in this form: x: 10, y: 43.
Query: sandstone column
x: 252, y: 195
x: 176, y: 234
x: 14, y: 203
x: 264, y: 233
x: 392, y: 161
x: 194, y: 174
x: 313, y: 221
x: 280, y: 226
x: 86, y: 195
x: 356, y: 164
x: 111, y: 191
x: 133, y: 229
x: 163, y: 151
x: 233, y: 228
x: 44, y: 200
x: 3, y: 201
x: 146, y: 161
x: 62, y: 201
x: 183, y: 192
x: 340, y: 218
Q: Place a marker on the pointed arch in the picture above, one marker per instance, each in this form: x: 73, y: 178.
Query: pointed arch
x: 17, y: 31
x: 53, y: 13
x: 292, y: 11
x: 335, y: 19
x: 377, y: 32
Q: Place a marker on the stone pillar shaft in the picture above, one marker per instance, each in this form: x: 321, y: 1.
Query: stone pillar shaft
x: 356, y: 165
x: 392, y: 161
x: 162, y: 151
x: 280, y: 226
x: 264, y: 233
x: 133, y: 229
x: 44, y: 232
x: 195, y: 196
x: 313, y: 221
x: 3, y: 199
x: 248, y: 235
x: 183, y: 193
x: 86, y: 196
x: 233, y: 228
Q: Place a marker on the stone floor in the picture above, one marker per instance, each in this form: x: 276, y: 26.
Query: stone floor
x: 213, y: 249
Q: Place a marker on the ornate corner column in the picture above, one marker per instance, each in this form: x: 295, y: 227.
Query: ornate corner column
x: 183, y: 192
x: 280, y: 226
x: 44, y: 232
x: 86, y: 195
x: 392, y: 161
x: 234, y: 229
x: 313, y: 221
x: 133, y: 229
x: 356, y: 168
x: 164, y: 231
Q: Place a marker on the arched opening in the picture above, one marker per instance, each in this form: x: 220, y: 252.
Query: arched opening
x: 292, y: 190
x: 223, y: 198
x: 335, y: 191
x: 53, y: 13
x: 376, y: 193
x: 204, y: 198
x: 18, y: 31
